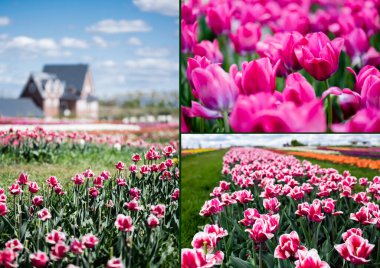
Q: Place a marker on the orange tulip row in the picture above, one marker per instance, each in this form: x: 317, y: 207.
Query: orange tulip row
x: 340, y: 159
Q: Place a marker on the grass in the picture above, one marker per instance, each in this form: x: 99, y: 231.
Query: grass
x: 66, y: 166
x: 202, y: 172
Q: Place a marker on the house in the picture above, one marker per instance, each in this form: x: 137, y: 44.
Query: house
x: 23, y: 107
x: 63, y: 90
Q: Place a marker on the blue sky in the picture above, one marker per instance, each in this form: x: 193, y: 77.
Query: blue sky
x: 131, y: 45
x: 272, y: 140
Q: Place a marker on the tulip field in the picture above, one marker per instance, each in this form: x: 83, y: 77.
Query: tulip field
x: 280, y: 66
x: 71, y: 199
x: 276, y: 210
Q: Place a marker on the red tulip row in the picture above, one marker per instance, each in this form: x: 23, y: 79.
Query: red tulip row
x: 273, y: 210
x: 128, y: 219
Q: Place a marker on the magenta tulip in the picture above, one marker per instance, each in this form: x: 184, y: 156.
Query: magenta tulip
x: 246, y: 38
x: 298, y: 89
x: 209, y: 50
x: 318, y: 55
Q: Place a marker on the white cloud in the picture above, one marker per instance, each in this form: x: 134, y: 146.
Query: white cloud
x: 3, y: 68
x: 165, y: 7
x: 121, y: 26
x: 4, y: 21
x: 107, y: 64
x: 73, y: 43
x: 152, y: 52
x: 24, y: 42
x: 151, y: 65
x: 134, y: 41
x: 100, y: 42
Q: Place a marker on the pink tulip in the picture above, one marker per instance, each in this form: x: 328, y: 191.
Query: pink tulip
x: 158, y: 210
x: 211, y: 207
x: 242, y: 196
x: 260, y: 231
x: 350, y: 232
x: 37, y: 200
x: 132, y: 205
x: 54, y: 237
x: 15, y: 189
x: 371, y: 92
x: 355, y: 249
x: 188, y: 13
x: 318, y: 55
x: 289, y: 244
x: 246, y: 38
x: 209, y: 50
x: 124, y: 223
x: 44, y: 214
x: 23, y: 179
x: 328, y: 206
x: 206, y: 241
x: 259, y: 76
x: 93, y: 192
x: 58, y: 251
x: 296, y: 193
x: 136, y: 158
x: 144, y: 170
x: 216, y: 90
x: 39, y: 259
x: 135, y: 193
x: 98, y: 182
x: 120, y: 166
x: 362, y: 76
x: 115, y: 263
x: 315, y: 211
x: 90, y: 240
x: 175, y: 194
x: 52, y: 181
x: 188, y: 36
x: 215, y: 229
x: 310, y: 259
x: 105, y: 174
x: 365, y: 120
x: 272, y: 205
x: 77, y: 247
x: 121, y: 182
x: 192, y: 64
x: 33, y: 187
x: 153, y: 221
x: 78, y: 179
x: 356, y: 44
x: 3, y: 198
x: 298, y: 89
x: 293, y: 18
x: 14, y: 245
x: 8, y: 258
x: 218, y: 18
x: 195, y: 258
x: 261, y: 113
x: 363, y: 216
x: 88, y: 173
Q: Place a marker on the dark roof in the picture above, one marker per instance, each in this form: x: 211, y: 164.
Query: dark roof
x: 23, y: 107
x: 72, y: 74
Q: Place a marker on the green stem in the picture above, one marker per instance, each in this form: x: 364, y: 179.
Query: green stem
x: 329, y: 108
x: 253, y: 253
x: 260, y: 257
x: 226, y: 123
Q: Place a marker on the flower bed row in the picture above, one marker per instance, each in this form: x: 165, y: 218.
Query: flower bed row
x: 339, y: 159
x: 273, y: 210
x: 280, y: 66
x: 128, y: 219
x: 353, y: 151
x: 197, y: 151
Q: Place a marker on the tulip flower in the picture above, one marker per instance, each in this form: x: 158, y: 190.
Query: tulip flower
x: 260, y: 231
x: 77, y: 247
x: 8, y: 258
x: 39, y: 259
x: 58, y: 251
x: 158, y: 210
x: 33, y: 187
x: 363, y: 216
x: 15, y: 245
x: 218, y: 18
x: 55, y: 236
x: 211, y: 207
x: 124, y: 223
x: 216, y: 90
x: 38, y: 200
x: 355, y: 249
x: 289, y: 244
x: 153, y: 221
x: 175, y: 195
x: 215, y: 229
x: 90, y: 240
x: 44, y: 214
x: 52, y: 181
x: 272, y: 205
x: 310, y: 259
x: 3, y: 209
x: 318, y: 55
x: 205, y: 241
x: 115, y: 263
x: 209, y: 50
x: 356, y: 44
x: 246, y: 38
x: 298, y: 89
x: 15, y: 189
x: 120, y: 166
x: 132, y: 205
x: 23, y: 179
x: 188, y: 36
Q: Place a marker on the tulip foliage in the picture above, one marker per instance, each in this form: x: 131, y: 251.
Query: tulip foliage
x: 125, y: 219
x: 280, y: 66
x: 273, y: 210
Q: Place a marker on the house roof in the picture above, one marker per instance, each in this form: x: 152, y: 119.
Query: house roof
x: 72, y: 74
x: 23, y: 107
x: 40, y: 80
